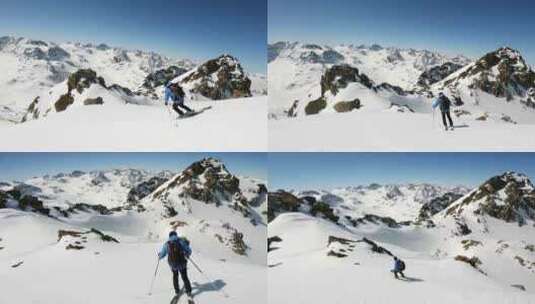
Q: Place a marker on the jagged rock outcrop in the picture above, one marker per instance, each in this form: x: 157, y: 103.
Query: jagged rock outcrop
x: 281, y: 202
x: 377, y: 220
x: 437, y: 73
x: 219, y: 78
x: 144, y: 189
x: 509, y: 197
x: 437, y: 204
x: 339, y: 76
x: 159, y: 78
x: 502, y: 73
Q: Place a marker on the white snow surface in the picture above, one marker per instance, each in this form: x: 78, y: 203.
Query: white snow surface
x: 301, y: 272
x: 32, y: 66
x: 231, y: 125
x: 387, y: 121
x: 106, y: 272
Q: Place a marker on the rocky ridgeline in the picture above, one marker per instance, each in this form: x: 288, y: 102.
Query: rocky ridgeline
x: 502, y: 73
x: 159, y: 78
x: 283, y: 202
x: 436, y: 205
x: 219, y: 78
x: 210, y: 182
x: 77, y: 82
x: 437, y: 74
x: 509, y: 197
x: 338, y: 77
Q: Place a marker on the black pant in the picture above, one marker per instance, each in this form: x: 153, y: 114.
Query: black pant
x: 177, y: 106
x: 400, y: 272
x: 444, y: 115
x: 185, y: 279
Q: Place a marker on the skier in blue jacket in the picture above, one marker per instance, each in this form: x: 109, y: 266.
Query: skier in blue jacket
x: 445, y: 104
x: 175, y: 94
x: 399, y: 267
x: 177, y: 251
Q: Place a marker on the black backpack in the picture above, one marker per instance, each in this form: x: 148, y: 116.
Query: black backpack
x: 180, y: 92
x: 176, y: 255
x: 401, y: 265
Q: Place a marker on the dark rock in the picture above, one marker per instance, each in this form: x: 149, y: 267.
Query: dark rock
x: 376, y: 248
x: 281, y: 202
x: 437, y: 74
x: 231, y: 79
x: 347, y: 106
x: 162, y: 77
x: 83, y: 79
x: 376, y: 219
x: 519, y: 286
x: 142, y: 190
x: 502, y: 73
x: 56, y: 54
x: 271, y: 240
x: 339, y: 76
x: 518, y: 205
x: 437, y: 204
x: 315, y: 106
x: 292, y: 112
x: 93, y: 101
x: 474, y: 261
x: 391, y: 88
x: 63, y: 102
x: 325, y: 210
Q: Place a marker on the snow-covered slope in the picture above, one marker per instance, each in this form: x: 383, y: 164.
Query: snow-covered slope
x: 230, y: 125
x: 95, y: 253
x: 295, y: 68
x: 32, y: 66
x: 477, y: 249
x: 362, y: 88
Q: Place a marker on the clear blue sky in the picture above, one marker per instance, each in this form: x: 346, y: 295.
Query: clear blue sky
x: 303, y: 171
x: 21, y: 166
x: 470, y: 27
x: 199, y: 29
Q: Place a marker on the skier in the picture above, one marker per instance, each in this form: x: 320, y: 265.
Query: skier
x: 445, y: 104
x: 175, y: 93
x: 399, y: 267
x: 177, y: 251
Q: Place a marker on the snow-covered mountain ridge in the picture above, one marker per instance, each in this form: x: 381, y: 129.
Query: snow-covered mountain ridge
x: 456, y: 244
x: 33, y: 67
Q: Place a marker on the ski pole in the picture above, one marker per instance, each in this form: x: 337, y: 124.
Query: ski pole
x: 154, y: 277
x: 169, y: 115
x: 206, y: 277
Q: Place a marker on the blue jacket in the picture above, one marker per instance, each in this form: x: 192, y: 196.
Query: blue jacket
x: 444, y: 103
x: 397, y: 265
x: 165, y: 249
x: 169, y: 95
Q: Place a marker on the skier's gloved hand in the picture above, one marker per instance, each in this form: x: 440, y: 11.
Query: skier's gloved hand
x: 166, y: 104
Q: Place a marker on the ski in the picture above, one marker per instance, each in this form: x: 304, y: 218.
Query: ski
x: 176, y: 298
x: 194, y: 113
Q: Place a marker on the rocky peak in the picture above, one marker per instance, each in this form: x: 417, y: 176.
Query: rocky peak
x: 437, y: 73
x: 219, y: 78
x: 207, y: 180
x: 339, y: 76
x: 159, y: 78
x: 502, y: 73
x: 509, y: 197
